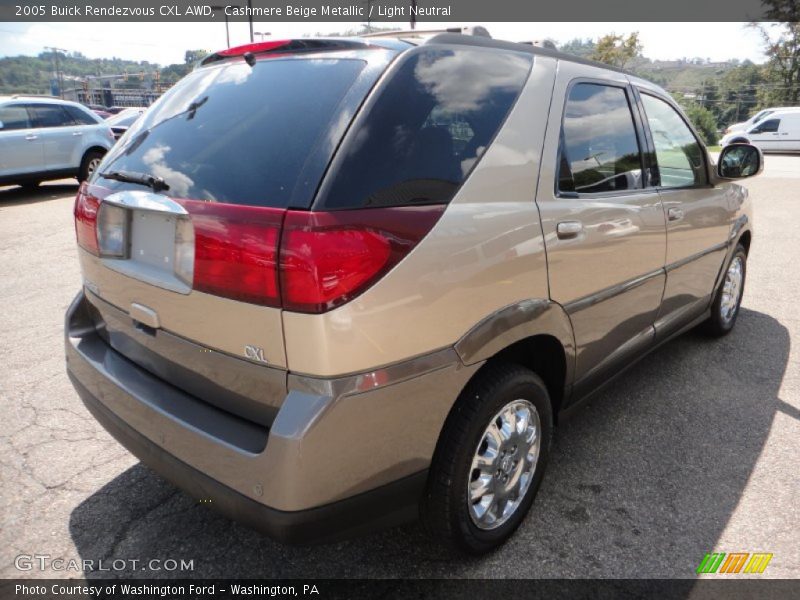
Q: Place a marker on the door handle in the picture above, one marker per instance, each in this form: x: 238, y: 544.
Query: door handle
x: 674, y: 214
x: 568, y: 229
x: 77, y: 133
x: 31, y: 137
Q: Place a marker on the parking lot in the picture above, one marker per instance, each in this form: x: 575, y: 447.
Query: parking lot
x: 695, y: 449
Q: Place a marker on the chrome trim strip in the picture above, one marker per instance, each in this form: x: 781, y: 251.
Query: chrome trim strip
x: 358, y: 383
x: 140, y: 200
x: 615, y: 290
x: 685, y: 261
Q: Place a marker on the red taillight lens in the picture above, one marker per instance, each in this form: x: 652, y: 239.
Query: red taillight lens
x: 300, y: 260
x: 86, y: 207
x: 236, y: 250
x: 329, y: 258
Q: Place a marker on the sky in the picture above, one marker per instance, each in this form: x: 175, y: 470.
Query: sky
x: 165, y: 43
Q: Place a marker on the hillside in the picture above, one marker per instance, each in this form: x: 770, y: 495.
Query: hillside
x: 32, y: 74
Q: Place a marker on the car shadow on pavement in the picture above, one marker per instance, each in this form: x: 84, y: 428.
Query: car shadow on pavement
x: 18, y: 196
x: 641, y: 483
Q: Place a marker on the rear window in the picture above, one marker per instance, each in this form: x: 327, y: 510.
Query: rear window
x: 239, y: 134
x: 427, y: 128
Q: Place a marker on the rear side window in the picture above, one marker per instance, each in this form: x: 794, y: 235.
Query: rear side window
x: 239, y: 134
x: 427, y: 128
x: 14, y: 117
x: 678, y: 153
x: 51, y: 115
x: 80, y: 117
x: 599, y: 148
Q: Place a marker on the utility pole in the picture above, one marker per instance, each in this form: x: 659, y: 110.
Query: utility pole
x: 59, y: 76
x: 250, y: 18
x: 227, y: 31
x: 413, y: 15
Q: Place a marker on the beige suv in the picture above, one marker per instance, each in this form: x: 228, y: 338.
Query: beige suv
x: 331, y: 285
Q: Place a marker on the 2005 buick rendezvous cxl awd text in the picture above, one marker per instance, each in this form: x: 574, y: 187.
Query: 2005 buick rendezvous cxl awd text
x: 335, y: 284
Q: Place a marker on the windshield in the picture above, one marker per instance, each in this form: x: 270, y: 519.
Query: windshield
x: 239, y: 134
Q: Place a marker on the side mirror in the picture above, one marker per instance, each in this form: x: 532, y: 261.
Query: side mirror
x: 737, y: 161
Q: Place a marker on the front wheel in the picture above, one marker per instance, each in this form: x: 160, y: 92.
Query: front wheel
x: 725, y: 307
x: 91, y: 160
x: 490, y: 460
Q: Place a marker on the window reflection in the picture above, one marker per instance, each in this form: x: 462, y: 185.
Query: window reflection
x: 431, y: 123
x: 599, y: 149
x: 678, y: 154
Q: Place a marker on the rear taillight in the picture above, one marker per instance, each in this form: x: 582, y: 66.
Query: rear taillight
x: 86, y: 207
x: 328, y: 258
x: 299, y: 260
x: 236, y: 250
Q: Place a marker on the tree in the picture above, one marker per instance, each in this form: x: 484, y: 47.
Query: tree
x: 193, y: 56
x: 579, y: 47
x: 617, y: 50
x: 783, y: 50
x: 704, y: 121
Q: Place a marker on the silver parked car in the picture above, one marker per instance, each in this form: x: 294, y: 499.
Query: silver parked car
x: 43, y: 138
x: 333, y: 284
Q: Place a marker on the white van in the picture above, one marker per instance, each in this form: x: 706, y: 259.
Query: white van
x: 759, y: 116
x: 779, y: 132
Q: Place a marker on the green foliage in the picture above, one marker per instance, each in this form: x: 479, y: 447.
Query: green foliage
x: 579, y: 47
x: 194, y: 56
x: 704, y: 121
x: 783, y: 52
x: 617, y: 50
x: 32, y: 74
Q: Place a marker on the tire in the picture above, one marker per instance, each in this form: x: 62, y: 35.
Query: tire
x: 739, y: 141
x: 89, y: 163
x: 723, y: 311
x: 447, y: 513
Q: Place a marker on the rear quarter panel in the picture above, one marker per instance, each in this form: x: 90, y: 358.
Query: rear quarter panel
x: 485, y: 253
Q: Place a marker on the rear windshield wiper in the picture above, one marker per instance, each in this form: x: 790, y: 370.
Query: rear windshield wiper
x: 156, y: 183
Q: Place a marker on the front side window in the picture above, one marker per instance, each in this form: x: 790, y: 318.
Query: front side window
x: 770, y: 126
x: 427, y: 128
x: 599, y: 148
x: 14, y: 116
x: 51, y: 115
x: 678, y: 153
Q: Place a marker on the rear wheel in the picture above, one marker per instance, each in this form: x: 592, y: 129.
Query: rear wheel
x: 91, y: 160
x: 490, y: 460
x: 725, y: 307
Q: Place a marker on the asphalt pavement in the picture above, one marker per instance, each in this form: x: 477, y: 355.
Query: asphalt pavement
x: 693, y: 450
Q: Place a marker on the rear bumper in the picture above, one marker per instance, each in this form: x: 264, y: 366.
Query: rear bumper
x: 334, y: 463
x: 388, y: 505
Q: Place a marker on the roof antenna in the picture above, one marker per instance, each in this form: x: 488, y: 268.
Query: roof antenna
x: 250, y: 58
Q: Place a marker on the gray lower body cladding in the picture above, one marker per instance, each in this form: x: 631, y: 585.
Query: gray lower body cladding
x: 327, y: 466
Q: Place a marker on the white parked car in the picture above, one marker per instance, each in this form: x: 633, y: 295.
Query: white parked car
x: 44, y: 138
x: 779, y: 132
x: 759, y: 116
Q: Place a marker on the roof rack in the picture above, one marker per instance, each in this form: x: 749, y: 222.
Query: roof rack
x: 476, y: 30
